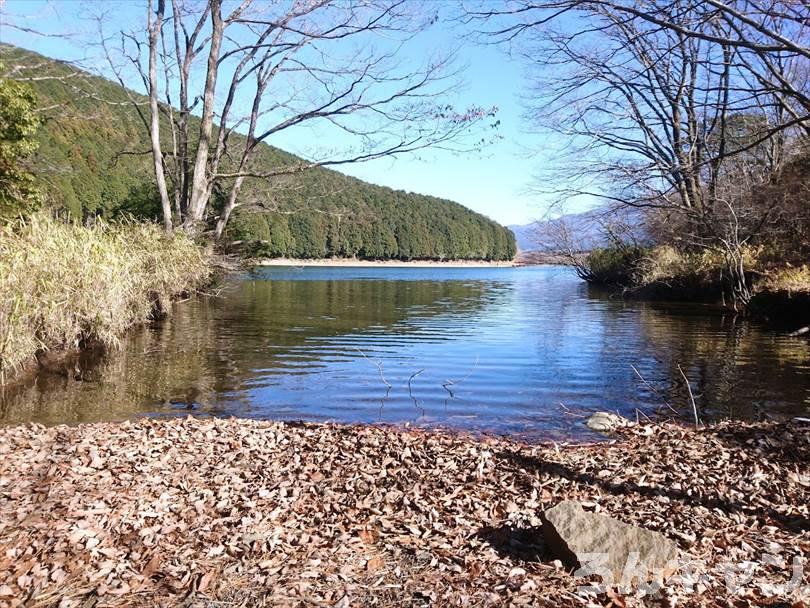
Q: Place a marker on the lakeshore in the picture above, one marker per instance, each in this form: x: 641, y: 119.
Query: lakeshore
x: 204, y: 512
x: 413, y: 420
x: 354, y: 262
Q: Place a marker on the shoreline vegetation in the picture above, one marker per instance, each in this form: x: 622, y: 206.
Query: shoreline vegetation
x: 67, y: 286
x: 207, y: 511
x: 697, y: 161
x: 779, y: 285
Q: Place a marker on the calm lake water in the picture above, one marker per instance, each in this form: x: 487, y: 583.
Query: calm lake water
x: 526, y: 351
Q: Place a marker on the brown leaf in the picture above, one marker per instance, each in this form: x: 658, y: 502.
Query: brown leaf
x: 205, y: 580
x: 368, y: 536
x: 152, y: 566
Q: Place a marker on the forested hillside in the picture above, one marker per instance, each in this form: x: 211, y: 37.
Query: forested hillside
x: 93, y: 160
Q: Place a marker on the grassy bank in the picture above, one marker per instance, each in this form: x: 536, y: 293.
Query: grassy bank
x: 212, y: 512
x: 64, y: 285
x: 667, y: 273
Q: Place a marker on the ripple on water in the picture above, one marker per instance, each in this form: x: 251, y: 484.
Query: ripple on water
x: 524, y: 351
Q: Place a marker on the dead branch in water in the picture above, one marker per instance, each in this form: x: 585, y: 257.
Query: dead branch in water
x: 379, y: 366
x: 410, y: 392
x: 448, y: 383
x: 653, y: 389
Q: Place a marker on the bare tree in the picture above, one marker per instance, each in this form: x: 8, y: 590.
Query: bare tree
x: 771, y: 38
x: 680, y: 105
x: 570, y: 238
x: 253, y: 70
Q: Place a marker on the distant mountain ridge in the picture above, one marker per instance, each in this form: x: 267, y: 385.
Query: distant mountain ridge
x: 94, y: 160
x: 586, y: 229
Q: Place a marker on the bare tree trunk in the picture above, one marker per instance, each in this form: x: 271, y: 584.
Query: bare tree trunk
x: 184, y: 55
x: 154, y: 110
x: 229, y: 207
x: 200, y: 179
x: 740, y: 291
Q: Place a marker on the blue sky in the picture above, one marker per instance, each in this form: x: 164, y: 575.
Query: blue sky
x: 493, y: 182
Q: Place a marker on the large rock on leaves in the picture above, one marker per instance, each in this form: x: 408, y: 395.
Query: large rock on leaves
x: 582, y: 538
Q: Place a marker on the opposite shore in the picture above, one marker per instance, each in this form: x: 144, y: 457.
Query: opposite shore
x: 523, y: 258
x: 782, y: 309
x: 354, y: 262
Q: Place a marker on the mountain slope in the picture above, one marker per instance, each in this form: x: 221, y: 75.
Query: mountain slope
x: 587, y: 230
x: 93, y: 160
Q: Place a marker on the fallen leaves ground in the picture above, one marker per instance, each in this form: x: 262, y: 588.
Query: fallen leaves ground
x: 211, y: 512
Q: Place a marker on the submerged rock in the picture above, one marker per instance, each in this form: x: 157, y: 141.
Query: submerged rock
x: 582, y: 538
x: 605, y: 422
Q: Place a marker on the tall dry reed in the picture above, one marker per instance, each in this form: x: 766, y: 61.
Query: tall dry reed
x: 62, y: 284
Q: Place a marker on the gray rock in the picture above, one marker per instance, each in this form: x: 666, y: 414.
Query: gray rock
x: 574, y: 535
x: 605, y: 422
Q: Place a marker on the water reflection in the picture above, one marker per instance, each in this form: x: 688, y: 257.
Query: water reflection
x: 510, y: 350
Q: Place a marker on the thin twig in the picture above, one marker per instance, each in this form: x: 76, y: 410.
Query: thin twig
x: 414, y: 375
x: 571, y: 412
x: 410, y: 392
x: 379, y: 367
x: 448, y: 383
x: 653, y: 389
x: 691, y: 396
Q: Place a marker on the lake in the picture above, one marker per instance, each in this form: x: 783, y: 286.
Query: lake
x: 525, y: 351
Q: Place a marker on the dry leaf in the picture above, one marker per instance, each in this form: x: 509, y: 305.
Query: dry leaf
x: 299, y: 515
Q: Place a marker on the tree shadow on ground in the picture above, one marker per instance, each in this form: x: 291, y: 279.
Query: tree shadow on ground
x: 795, y: 524
x: 519, y: 544
x: 785, y: 443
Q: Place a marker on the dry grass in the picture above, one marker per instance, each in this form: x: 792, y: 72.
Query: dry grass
x: 63, y: 284
x: 667, y: 264
x: 791, y: 279
x: 664, y: 263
